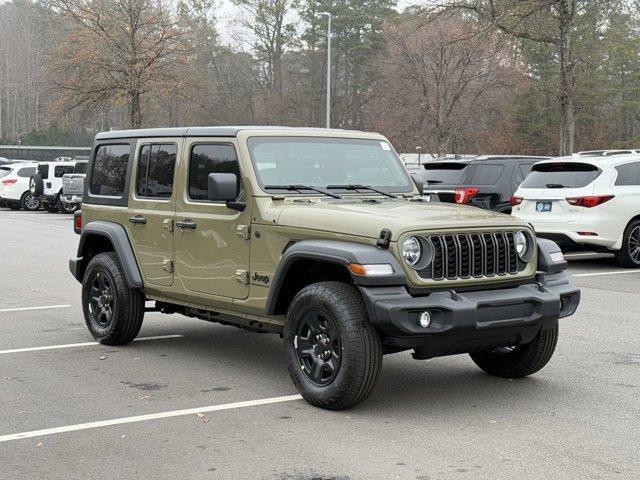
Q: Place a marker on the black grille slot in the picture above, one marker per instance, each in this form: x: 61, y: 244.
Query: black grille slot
x: 465, y: 256
x: 489, y: 255
x: 437, y: 266
x: 501, y: 254
x: 513, y: 256
x: 473, y: 255
x: 451, y: 252
x: 478, y: 252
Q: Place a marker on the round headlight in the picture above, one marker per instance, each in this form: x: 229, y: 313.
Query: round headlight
x: 522, y: 246
x: 411, y: 251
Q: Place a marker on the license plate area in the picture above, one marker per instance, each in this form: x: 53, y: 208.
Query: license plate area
x: 543, y: 207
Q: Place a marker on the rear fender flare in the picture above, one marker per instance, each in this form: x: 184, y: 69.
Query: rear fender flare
x: 117, y: 236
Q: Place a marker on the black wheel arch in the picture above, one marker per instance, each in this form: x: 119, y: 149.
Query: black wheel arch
x: 101, y: 236
x: 309, y: 261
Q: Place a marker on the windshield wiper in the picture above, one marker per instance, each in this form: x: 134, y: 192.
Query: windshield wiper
x: 353, y: 187
x: 297, y: 188
x: 555, y: 185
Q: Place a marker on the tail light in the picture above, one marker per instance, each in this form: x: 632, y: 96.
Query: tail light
x: 77, y: 221
x: 9, y: 181
x: 515, y: 200
x: 590, y: 201
x: 463, y: 195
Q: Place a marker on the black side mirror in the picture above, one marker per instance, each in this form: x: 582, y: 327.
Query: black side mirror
x: 418, y: 180
x: 223, y: 187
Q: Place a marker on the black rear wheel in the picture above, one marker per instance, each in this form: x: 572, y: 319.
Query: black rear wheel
x: 520, y: 360
x: 113, y: 312
x: 66, y: 207
x: 333, y: 354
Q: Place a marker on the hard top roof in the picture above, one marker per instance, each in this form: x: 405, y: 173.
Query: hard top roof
x: 204, y: 131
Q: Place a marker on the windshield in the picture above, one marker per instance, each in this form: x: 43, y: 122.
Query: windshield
x: 4, y: 171
x: 450, y: 173
x: 322, y: 162
x: 561, y: 175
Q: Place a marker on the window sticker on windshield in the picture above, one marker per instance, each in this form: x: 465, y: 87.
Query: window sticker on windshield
x: 385, y: 146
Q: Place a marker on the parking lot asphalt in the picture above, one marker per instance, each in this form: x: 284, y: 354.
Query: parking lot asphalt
x: 439, y: 419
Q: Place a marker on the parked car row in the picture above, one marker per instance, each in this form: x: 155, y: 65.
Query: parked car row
x: 590, y: 200
x: 55, y: 186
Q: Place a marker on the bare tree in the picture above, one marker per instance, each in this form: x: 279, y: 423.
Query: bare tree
x: 549, y: 22
x: 437, y: 87
x: 117, y: 51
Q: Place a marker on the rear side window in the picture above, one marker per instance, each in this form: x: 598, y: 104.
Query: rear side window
x: 60, y: 170
x: 449, y: 173
x: 628, y: 174
x: 110, y: 170
x: 561, y: 175
x: 521, y: 172
x: 81, y: 167
x: 155, y: 170
x: 486, y: 174
x: 26, y: 172
x: 206, y: 159
x: 43, y: 170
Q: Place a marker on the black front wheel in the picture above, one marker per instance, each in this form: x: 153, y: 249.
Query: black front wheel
x: 519, y: 360
x: 332, y: 352
x: 113, y: 312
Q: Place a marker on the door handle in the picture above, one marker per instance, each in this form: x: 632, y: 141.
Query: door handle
x: 138, y: 220
x: 184, y: 224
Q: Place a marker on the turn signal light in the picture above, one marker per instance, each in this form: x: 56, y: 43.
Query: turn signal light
x: 515, y: 200
x: 10, y: 181
x: 590, y: 201
x: 372, y: 270
x: 463, y: 195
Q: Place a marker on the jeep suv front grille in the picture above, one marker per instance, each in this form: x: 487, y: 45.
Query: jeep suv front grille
x: 474, y: 255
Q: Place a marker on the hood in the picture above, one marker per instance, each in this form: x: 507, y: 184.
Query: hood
x: 355, y: 217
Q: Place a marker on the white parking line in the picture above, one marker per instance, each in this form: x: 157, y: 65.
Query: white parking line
x: 617, y: 272
x: 32, y: 308
x: 85, y: 344
x: 144, y: 418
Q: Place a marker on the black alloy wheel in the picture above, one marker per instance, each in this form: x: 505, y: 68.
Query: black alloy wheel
x: 101, y: 300
x: 318, y: 347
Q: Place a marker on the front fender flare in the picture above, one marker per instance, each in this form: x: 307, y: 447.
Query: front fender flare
x: 340, y: 253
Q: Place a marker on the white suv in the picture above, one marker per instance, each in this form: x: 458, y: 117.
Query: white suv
x: 14, y: 186
x: 585, y: 201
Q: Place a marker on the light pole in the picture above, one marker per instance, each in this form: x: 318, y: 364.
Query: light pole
x: 328, y: 119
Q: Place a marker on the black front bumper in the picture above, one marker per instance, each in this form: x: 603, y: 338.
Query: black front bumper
x: 462, y: 322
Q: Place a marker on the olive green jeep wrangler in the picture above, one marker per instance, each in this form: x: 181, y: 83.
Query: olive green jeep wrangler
x: 317, y: 235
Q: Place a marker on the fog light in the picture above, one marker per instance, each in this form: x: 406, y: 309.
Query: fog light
x: 424, y: 319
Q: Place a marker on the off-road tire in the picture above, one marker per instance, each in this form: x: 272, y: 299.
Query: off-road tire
x: 361, y: 351
x: 631, y: 236
x: 522, y: 360
x: 127, y: 304
x: 36, y: 185
x: 26, y: 205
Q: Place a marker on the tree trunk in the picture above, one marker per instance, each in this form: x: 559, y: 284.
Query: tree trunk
x: 136, y: 115
x: 567, y: 79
